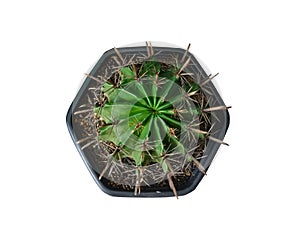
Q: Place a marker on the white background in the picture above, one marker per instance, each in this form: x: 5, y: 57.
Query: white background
x: 46, y: 46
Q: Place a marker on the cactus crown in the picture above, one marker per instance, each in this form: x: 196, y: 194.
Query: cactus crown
x: 144, y: 112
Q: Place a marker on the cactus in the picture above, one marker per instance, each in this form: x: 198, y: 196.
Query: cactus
x: 152, y: 120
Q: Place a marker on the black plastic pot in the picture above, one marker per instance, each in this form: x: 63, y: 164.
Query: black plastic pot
x: 89, y: 156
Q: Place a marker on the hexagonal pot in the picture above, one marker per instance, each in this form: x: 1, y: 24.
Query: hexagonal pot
x: 82, y: 129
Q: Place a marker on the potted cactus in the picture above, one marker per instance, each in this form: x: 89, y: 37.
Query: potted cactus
x: 148, y: 121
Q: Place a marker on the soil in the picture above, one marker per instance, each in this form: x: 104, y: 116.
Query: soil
x: 180, y: 181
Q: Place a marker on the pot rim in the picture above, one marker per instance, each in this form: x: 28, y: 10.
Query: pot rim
x: 196, y: 176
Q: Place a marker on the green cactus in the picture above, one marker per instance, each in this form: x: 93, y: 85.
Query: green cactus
x: 149, y: 120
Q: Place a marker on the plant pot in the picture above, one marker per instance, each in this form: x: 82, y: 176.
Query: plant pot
x: 98, y: 158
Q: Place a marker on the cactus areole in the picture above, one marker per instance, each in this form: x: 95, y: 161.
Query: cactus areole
x: 148, y: 121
